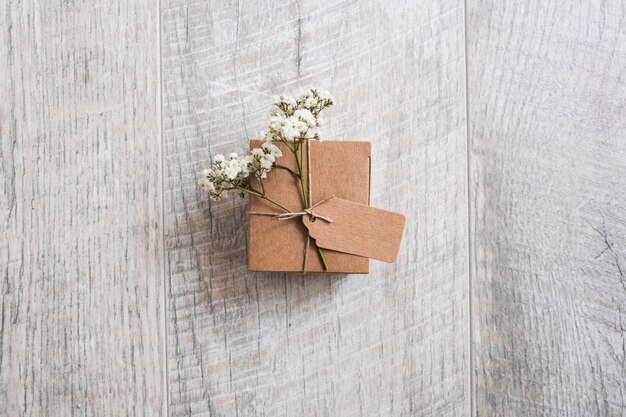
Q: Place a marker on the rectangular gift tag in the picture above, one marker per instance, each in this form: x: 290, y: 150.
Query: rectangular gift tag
x: 349, y: 227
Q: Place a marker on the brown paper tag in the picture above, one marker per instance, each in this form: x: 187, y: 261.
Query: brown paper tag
x: 357, y: 229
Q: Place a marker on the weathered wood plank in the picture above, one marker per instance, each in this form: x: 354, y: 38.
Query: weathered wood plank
x: 252, y: 344
x: 548, y: 174
x: 80, y: 209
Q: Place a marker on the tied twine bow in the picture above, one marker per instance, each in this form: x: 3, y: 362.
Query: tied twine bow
x: 306, y: 212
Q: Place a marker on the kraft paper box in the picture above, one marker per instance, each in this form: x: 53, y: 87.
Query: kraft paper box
x: 338, y: 168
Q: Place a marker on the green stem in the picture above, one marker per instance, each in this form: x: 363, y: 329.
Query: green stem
x: 264, y: 197
x: 250, y: 191
x: 277, y: 204
x: 304, y: 190
x: 306, y: 200
x: 287, y: 145
x: 294, y: 173
x: 301, y: 176
x: 319, y: 251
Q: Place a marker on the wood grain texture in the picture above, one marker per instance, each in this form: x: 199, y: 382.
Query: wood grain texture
x: 547, y: 105
x: 392, y: 343
x: 80, y: 209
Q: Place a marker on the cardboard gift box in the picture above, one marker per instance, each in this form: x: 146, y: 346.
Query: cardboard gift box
x: 338, y: 168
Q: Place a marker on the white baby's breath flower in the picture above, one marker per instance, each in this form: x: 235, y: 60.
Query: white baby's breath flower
x: 290, y: 101
x: 289, y: 132
x: 300, y: 126
x: 277, y: 112
x: 325, y: 95
x: 306, y: 116
x: 272, y: 149
x: 310, y: 102
x: 245, y: 165
x: 266, y: 164
x: 265, y: 136
x: 232, y: 171
x: 292, y: 119
x: 207, y: 184
x: 263, y: 159
x: 276, y: 123
x: 315, y: 101
x: 227, y: 175
x: 284, y: 103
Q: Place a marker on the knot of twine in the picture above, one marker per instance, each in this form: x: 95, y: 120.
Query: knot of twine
x: 306, y: 212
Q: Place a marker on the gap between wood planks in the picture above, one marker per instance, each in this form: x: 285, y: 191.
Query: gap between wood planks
x: 470, y: 336
x: 164, y: 264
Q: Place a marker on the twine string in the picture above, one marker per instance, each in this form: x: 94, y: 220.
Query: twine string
x: 291, y: 215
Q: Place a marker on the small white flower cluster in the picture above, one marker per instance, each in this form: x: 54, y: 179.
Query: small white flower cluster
x: 226, y: 174
x: 294, y: 121
x: 297, y: 120
x: 263, y: 159
x: 232, y: 173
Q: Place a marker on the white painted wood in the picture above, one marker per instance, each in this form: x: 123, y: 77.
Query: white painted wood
x: 81, y: 327
x: 80, y: 209
x: 253, y: 344
x: 548, y: 178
